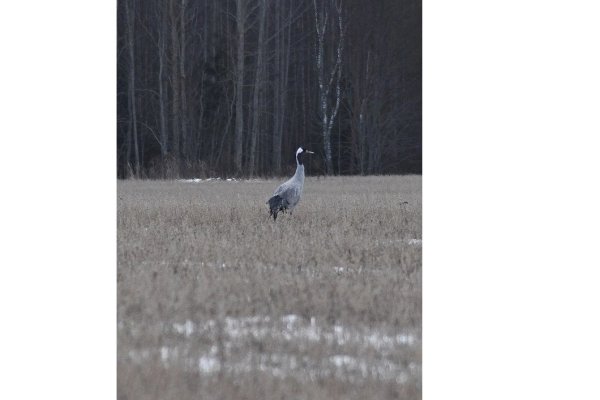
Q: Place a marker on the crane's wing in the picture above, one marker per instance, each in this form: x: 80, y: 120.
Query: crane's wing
x: 282, y: 188
x: 288, y: 192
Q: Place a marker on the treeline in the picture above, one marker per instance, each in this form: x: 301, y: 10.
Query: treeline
x: 232, y: 87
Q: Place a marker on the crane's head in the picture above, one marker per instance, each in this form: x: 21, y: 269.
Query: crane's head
x: 300, y: 153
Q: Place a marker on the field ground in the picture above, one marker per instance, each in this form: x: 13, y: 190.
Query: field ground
x: 217, y: 301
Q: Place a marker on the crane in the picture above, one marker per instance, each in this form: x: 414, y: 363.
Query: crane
x: 288, y: 194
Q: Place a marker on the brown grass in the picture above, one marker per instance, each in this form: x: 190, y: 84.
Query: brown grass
x: 216, y: 301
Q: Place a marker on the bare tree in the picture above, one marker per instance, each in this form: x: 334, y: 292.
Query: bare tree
x: 276, y: 85
x: 280, y: 85
x: 186, y: 145
x: 133, y: 132
x: 326, y: 80
x: 239, y: 77
x: 162, y: 96
x: 258, y: 83
x: 176, y: 95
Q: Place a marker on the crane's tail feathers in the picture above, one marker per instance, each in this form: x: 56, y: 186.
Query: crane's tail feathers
x: 277, y: 204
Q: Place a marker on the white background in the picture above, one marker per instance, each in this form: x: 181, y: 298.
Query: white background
x: 511, y: 95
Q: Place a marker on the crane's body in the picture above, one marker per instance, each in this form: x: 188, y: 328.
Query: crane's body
x: 288, y: 194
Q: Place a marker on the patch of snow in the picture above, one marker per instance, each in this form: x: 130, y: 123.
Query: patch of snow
x: 208, y: 364
x: 295, y: 328
x: 290, y: 320
x: 366, y: 352
x: 394, y: 242
x: 199, y: 180
x: 164, y: 353
x: 342, y: 360
x: 405, y: 339
x: 186, y: 328
x: 246, y: 326
x: 193, y: 180
x: 382, y: 369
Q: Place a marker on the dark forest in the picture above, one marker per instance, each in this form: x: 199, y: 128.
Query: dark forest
x: 233, y: 87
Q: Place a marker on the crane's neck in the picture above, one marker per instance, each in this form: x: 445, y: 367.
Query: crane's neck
x: 299, y: 175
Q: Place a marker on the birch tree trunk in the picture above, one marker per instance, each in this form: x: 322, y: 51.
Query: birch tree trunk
x: 175, y: 82
x: 328, y: 114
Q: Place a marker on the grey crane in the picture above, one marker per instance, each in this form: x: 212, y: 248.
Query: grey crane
x: 287, y: 195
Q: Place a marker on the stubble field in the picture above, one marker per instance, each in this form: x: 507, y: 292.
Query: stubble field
x: 216, y: 301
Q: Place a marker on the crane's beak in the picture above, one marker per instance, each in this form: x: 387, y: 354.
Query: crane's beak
x: 309, y: 152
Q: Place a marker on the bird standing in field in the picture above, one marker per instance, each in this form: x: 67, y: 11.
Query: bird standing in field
x: 288, y: 194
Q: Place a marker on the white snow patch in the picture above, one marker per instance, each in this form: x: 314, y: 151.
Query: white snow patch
x: 395, y: 242
x: 366, y: 352
x: 208, y: 364
x: 186, y: 328
x: 199, y: 180
x: 164, y: 353
x: 290, y: 319
x: 342, y: 360
x: 293, y: 328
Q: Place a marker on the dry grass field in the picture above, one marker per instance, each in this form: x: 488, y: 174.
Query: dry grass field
x: 217, y: 301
